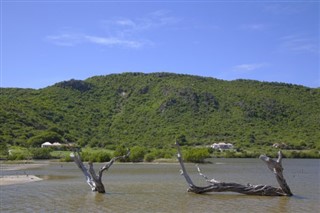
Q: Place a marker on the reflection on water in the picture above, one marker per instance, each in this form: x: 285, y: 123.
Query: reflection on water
x: 55, y: 177
x: 160, y: 188
x: 283, y: 204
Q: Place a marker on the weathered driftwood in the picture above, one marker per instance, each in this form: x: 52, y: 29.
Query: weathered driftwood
x: 217, y: 186
x: 94, y: 180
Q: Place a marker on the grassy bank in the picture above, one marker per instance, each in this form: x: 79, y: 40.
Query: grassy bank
x: 141, y: 154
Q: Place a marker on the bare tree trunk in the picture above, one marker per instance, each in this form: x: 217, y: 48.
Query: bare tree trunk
x: 94, y: 180
x: 217, y: 186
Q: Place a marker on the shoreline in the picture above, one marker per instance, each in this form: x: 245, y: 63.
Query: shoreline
x: 19, y: 166
x: 17, y: 179
x: 6, y: 180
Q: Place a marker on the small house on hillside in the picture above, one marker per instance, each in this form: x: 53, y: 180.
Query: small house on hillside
x: 222, y: 146
x: 46, y: 144
x: 59, y: 146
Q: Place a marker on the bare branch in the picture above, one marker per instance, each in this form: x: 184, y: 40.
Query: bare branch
x: 94, y: 180
x: 183, y: 169
x: 216, y: 186
x: 109, y: 164
x: 277, y: 169
x: 205, y: 177
x: 77, y: 159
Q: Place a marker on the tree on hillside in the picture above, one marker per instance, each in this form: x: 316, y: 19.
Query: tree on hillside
x: 181, y: 139
x: 4, y: 150
x: 137, y: 154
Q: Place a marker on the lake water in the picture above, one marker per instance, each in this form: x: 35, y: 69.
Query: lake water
x: 160, y: 188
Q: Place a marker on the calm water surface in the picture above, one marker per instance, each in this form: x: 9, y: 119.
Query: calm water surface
x: 160, y: 188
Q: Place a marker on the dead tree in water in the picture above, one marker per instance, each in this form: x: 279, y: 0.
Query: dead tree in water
x: 216, y: 186
x: 92, y: 178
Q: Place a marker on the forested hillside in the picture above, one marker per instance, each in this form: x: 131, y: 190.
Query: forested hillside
x: 153, y: 109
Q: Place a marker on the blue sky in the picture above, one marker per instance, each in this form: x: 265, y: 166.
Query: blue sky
x: 45, y: 42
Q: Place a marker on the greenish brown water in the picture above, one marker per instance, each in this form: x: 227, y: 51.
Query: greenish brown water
x: 160, y: 188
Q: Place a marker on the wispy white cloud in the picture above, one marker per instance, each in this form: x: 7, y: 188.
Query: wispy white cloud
x: 119, y: 32
x: 254, y: 27
x: 300, y: 44
x: 114, y: 41
x: 161, y: 18
x: 243, y: 71
x: 283, y: 8
x: 125, y: 22
x: 122, y: 26
x: 76, y: 39
x: 65, y: 39
x: 248, y: 67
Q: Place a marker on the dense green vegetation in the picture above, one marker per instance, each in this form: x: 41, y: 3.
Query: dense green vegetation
x: 152, y: 110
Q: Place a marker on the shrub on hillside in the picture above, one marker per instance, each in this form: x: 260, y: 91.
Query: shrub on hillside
x: 120, y: 151
x: 66, y: 158
x: 149, y: 157
x: 18, y: 156
x: 137, y: 154
x: 196, y: 155
x: 4, y: 150
x: 100, y: 156
x: 41, y: 153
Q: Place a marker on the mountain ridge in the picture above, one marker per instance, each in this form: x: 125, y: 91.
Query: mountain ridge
x: 154, y: 109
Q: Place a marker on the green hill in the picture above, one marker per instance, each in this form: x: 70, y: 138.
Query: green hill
x: 153, y: 109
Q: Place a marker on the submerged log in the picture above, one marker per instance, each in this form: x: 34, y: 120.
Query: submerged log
x: 217, y: 186
x: 94, y: 180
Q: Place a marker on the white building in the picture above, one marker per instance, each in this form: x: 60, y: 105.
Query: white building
x: 222, y: 146
x: 46, y: 144
x: 56, y: 144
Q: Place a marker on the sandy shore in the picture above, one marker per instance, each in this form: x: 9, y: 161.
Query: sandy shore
x: 17, y: 179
